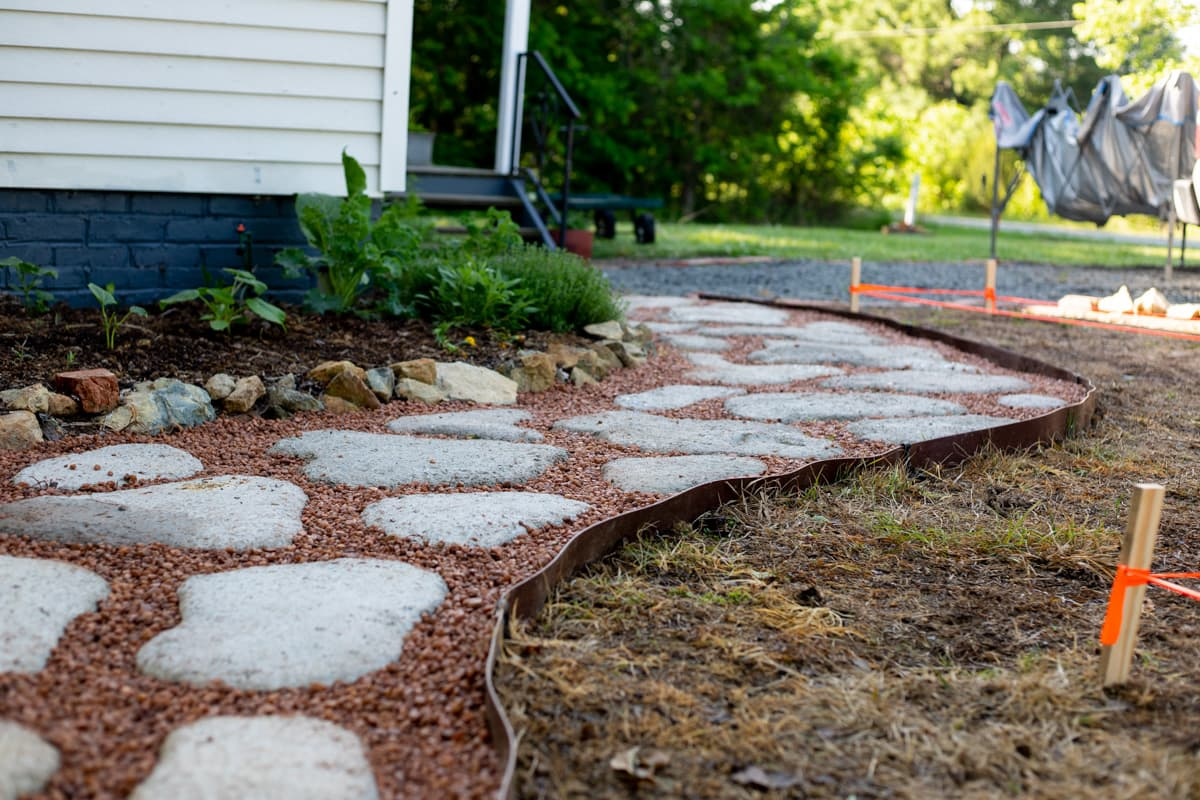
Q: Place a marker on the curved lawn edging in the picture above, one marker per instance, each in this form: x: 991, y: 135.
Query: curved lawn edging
x: 526, y: 599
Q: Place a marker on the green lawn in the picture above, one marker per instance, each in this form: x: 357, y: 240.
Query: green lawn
x: 939, y: 244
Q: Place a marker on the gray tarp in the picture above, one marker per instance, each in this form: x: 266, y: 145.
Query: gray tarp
x: 1120, y: 158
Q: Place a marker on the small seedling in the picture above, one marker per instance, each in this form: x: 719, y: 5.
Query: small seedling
x: 29, y: 283
x: 228, y: 305
x: 110, y: 318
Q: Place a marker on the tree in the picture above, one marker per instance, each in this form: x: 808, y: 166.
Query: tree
x: 1134, y: 37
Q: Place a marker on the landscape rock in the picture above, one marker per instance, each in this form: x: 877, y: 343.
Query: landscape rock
x: 418, y: 391
x: 220, y: 386
x: 481, y: 519
x: 118, y: 419
x: 462, y: 381
x: 245, y: 394
x: 52, y: 429
x: 270, y: 627
x: 167, y: 404
x: 581, y: 377
x: 565, y: 355
x: 293, y: 757
x: 423, y: 370
x: 604, y: 360
x: 19, y: 430
x: 283, y: 399
x: 327, y: 370
x: 61, y: 405
x: 491, y: 423
x: 605, y: 330
x: 537, y: 372
x: 629, y: 354
x: 116, y: 462
x: 352, y: 388
x: 41, y: 597
x: 382, y: 381
x: 35, y: 398
x: 672, y: 474
x: 338, y: 405
x: 96, y: 389
x: 27, y: 761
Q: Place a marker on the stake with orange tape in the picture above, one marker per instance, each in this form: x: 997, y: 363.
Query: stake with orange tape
x: 855, y: 282
x: 989, y: 284
x: 1119, y: 634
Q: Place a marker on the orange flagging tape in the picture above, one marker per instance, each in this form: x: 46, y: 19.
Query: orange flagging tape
x: 1127, y: 577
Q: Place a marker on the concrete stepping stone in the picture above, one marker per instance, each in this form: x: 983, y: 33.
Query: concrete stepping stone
x: 146, y: 462
x: 836, y: 332
x: 718, y: 370
x: 292, y: 624
x: 40, y: 598
x: 692, y: 341
x: 666, y: 398
x: 672, y: 474
x: 889, y: 356
x: 265, y: 758
x: 732, y: 313
x: 806, y: 406
x: 637, y: 302
x: 487, y: 519
x: 491, y: 423
x: 919, y: 429
x: 1031, y: 401
x: 669, y: 327
x: 240, y: 512
x: 699, y: 437
x: 928, y: 382
x: 354, y: 458
x: 27, y: 761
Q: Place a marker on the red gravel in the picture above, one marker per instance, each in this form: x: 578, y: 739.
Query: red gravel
x: 421, y: 718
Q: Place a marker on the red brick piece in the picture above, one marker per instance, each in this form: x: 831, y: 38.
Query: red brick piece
x: 96, y: 389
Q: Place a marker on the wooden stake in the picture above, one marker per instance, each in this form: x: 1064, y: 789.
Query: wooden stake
x: 990, y: 285
x: 855, y: 280
x: 1137, y: 551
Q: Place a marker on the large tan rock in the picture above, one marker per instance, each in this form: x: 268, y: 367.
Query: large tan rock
x: 326, y: 371
x: 246, y: 392
x: 60, y: 405
x: 606, y: 360
x: 605, y: 330
x: 35, y: 398
x: 220, y: 386
x: 537, y: 372
x: 352, y: 388
x: 418, y: 391
x: 96, y: 389
x: 338, y: 405
x: 419, y: 369
x: 565, y: 355
x: 462, y: 381
x: 19, y: 430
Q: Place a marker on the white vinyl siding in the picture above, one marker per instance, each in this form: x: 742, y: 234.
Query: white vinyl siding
x: 246, y: 97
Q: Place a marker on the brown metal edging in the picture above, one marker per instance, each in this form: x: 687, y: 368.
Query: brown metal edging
x: 526, y: 599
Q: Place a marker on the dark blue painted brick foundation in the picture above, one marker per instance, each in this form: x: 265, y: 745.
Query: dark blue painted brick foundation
x: 148, y: 245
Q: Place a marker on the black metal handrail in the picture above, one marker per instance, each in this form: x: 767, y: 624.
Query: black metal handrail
x: 540, y: 114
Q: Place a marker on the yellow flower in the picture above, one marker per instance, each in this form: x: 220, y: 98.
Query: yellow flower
x: 469, y: 341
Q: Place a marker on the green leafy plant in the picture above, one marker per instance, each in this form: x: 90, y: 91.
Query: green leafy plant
x: 353, y: 251
x: 110, y: 317
x: 470, y: 292
x: 492, y: 235
x: 29, y: 283
x: 228, y: 305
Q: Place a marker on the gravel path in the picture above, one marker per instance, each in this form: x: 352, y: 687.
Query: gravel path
x: 828, y: 280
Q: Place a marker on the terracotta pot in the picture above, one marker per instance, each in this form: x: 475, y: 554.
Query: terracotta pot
x: 579, y: 242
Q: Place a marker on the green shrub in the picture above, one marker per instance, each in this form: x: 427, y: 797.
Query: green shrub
x: 568, y: 292
x: 471, y: 293
x: 228, y: 305
x: 29, y: 283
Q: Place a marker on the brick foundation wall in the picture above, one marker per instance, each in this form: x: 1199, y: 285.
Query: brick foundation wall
x: 148, y: 245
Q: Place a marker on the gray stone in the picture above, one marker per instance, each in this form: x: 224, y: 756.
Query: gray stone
x: 27, y: 761
x: 19, y: 430
x: 41, y: 597
x: 602, y: 360
x: 418, y: 391
x: 230, y: 511
x: 220, y: 386
x: 283, y: 399
x: 35, y: 398
x: 803, y: 406
x: 1031, y: 401
x: 919, y: 429
x: 461, y: 381
x: 675, y: 396
x: 246, y: 392
x: 692, y: 341
x: 605, y: 330
x: 266, y: 758
x: 146, y: 462
x: 928, y: 382
x: 484, y: 519
x: 837, y: 332
x: 581, y: 377
x: 635, y: 302
x: 673, y: 474
x: 382, y: 381
x: 672, y: 327
x: 628, y: 354
x: 693, y: 436
x: 167, y: 404
x: 889, y: 356
x: 373, y: 459
x: 292, y: 625
x: 733, y: 313
x: 489, y: 423
x: 718, y: 370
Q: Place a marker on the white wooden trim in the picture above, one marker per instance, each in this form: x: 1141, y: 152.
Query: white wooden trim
x: 111, y: 34
x: 397, y: 70
x: 346, y: 16
x: 516, y: 41
x: 212, y: 109
x: 136, y: 70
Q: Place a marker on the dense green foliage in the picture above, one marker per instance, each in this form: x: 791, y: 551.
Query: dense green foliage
x: 226, y: 306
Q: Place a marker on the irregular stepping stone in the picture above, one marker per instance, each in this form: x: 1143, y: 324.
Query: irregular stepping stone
x: 113, y: 463
x: 229, y: 511
x: 837, y: 332
x: 373, y: 459
x: 491, y: 423
x: 1030, y: 401
x: 26, y: 761
x: 718, y: 370
x: 691, y: 341
x: 694, y: 436
x: 676, y: 396
x: 890, y: 356
x: 734, y: 313
x: 486, y: 519
x: 919, y: 429
x: 635, y: 302
x: 803, y: 406
x: 669, y: 327
x: 41, y: 597
x: 292, y: 624
x: 936, y: 382
x: 266, y: 758
x: 673, y: 474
